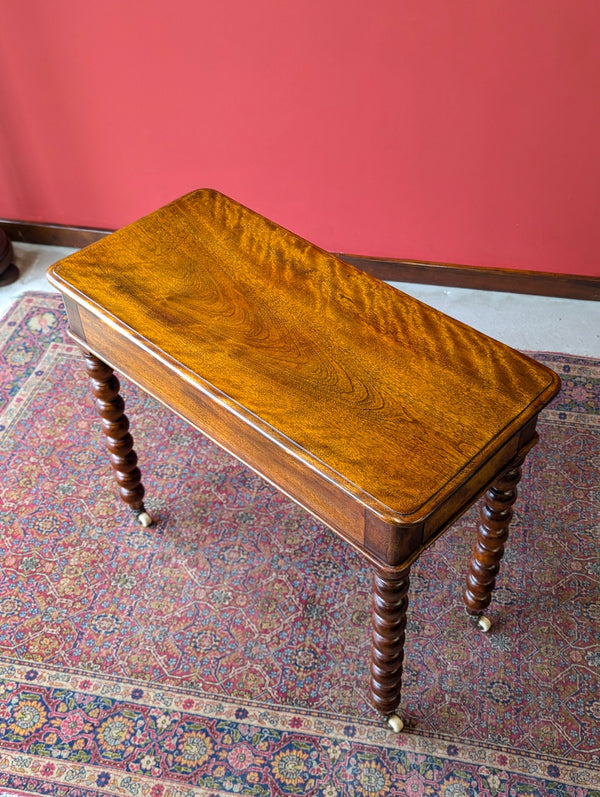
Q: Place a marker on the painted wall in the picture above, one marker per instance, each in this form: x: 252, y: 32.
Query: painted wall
x: 449, y: 130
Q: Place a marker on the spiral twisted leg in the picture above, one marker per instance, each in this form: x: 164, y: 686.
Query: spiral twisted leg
x: 115, y: 425
x: 495, y: 516
x: 388, y: 611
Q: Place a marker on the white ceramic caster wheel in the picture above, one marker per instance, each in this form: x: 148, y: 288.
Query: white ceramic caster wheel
x: 144, y: 519
x: 395, y: 723
x: 484, y: 624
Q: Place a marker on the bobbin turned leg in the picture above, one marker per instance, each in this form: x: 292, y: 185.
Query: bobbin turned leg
x: 495, y: 516
x: 115, y: 425
x: 388, y: 611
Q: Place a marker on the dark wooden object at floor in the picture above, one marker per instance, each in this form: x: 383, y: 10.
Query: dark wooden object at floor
x: 9, y: 273
x: 381, y: 416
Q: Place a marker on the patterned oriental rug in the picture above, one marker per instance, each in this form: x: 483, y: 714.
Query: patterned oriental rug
x: 225, y: 651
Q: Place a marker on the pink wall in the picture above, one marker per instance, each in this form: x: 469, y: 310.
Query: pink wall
x: 455, y: 130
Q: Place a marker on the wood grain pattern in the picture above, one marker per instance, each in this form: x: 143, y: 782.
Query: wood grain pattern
x: 353, y: 374
x: 212, y: 415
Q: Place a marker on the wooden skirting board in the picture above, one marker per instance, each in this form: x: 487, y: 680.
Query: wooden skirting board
x: 25, y: 232
x: 540, y: 283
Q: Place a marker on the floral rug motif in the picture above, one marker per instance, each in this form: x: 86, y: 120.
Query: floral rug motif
x: 225, y: 650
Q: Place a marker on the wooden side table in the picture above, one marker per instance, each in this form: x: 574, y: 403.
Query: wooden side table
x: 379, y: 415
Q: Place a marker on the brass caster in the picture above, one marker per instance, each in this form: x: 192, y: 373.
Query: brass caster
x: 484, y: 624
x: 395, y: 723
x: 144, y: 519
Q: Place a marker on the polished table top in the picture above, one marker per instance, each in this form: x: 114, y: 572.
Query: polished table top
x: 394, y: 402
